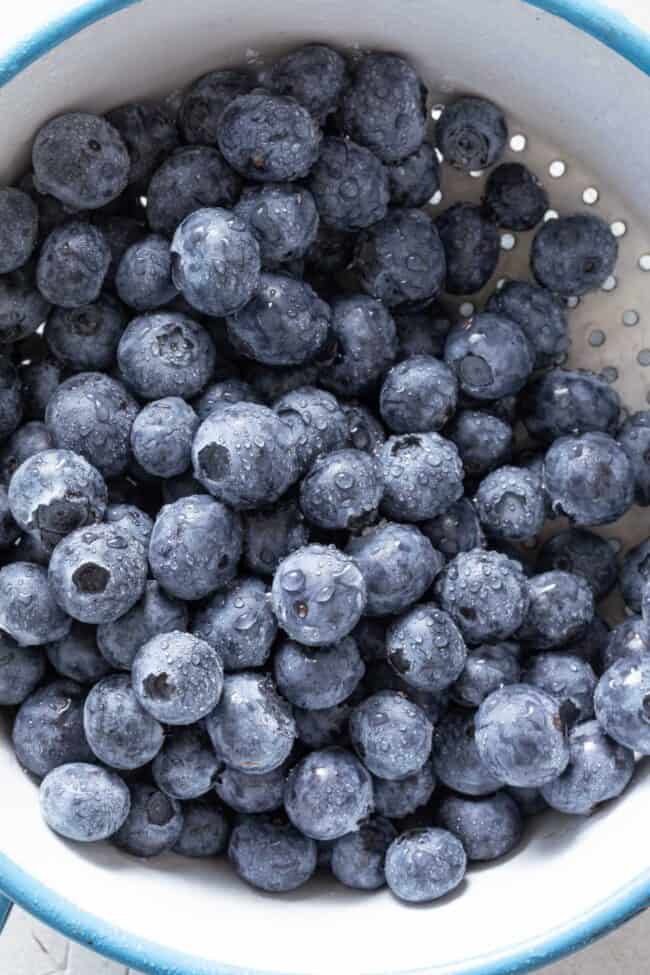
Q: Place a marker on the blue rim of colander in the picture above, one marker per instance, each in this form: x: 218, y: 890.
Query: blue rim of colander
x: 618, y: 33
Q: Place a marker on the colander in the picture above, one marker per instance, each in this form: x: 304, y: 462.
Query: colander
x: 573, y: 78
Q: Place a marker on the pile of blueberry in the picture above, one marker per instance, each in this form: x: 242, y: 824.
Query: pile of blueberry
x: 267, y: 578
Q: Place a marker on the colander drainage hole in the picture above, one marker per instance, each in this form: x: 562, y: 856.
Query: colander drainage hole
x: 618, y: 228
x: 590, y: 195
x: 557, y: 168
x: 518, y: 142
x: 630, y: 317
x: 597, y: 338
x: 508, y: 242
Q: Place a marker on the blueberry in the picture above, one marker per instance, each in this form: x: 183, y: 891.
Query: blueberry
x: 341, y: 490
x: 81, y: 160
x: 205, y: 99
x: 86, y: 338
x: 424, y: 864
x: 470, y: 245
x: 455, y: 757
x: 177, y: 677
x: 401, y: 258
x: 186, y: 766
x: 324, y: 727
x: 365, y: 432
x: 582, y: 553
x: 130, y: 519
x: 149, y: 134
x: 239, y: 623
x: 21, y: 670
x: 425, y: 648
x: 191, y: 178
x: 319, y: 677
x: 414, y: 180
x: 622, y: 702
x: 365, y: 344
x: 398, y: 564
x: 358, y: 858
x: 456, y: 530
x: 251, y: 729
x: 539, y: 314
x: 573, y: 255
x: 195, y: 546
x: 205, y: 830
x: 318, y: 595
x: 483, y: 440
x: 285, y: 323
x: 315, y: 75
x: 271, y: 855
x: 161, y: 436
x: 328, y: 794
x: 391, y: 735
x: 119, y: 731
x: 72, y: 264
x: 76, y: 655
x: 349, y: 185
x: 471, y: 133
x: 143, y: 279
x: 243, y: 455
x: 490, y: 355
x: 282, y: 217
x: 568, y: 679
x: 251, y: 793
x: 97, y: 573
x: 28, y: 611
x: 91, y: 414
x: 629, y: 638
x: 590, y: 646
x: 268, y: 137
x: 396, y: 799
x: 487, y: 668
x: 488, y: 827
x: 154, y: 824
x: 634, y: 438
x: 19, y: 223
x: 514, y: 197
x: 418, y: 394
x: 566, y: 402
x: 156, y: 612
x: 22, y: 307
x: 225, y: 392
x: 83, y: 802
x: 561, y: 605
x: 165, y: 354
x: 510, y: 504
x: 635, y: 575
x: 598, y: 769
x: 521, y: 736
x: 384, y: 106
x: 589, y: 479
x: 48, y: 730
x: 486, y: 595
x: 270, y: 534
x: 422, y: 475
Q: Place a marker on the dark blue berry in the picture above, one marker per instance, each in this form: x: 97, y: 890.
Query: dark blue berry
x: 589, y: 478
x: 634, y: 438
x: 561, y: 605
x: 204, y: 101
x: 317, y: 677
x: 510, y: 504
x: 77, y: 657
x: 418, y: 394
x: 358, y: 858
x: 422, y: 475
x: 282, y: 217
x: 573, y: 255
x: 119, y: 731
x: 487, y: 827
x: 22, y: 307
x: 131, y: 519
x: 414, y: 180
x: 391, y: 735
x: 86, y: 338
x: 83, y: 802
x: 315, y: 75
x: 149, y: 134
x: 456, y: 530
x: 72, y: 264
x: 629, y: 638
x: 635, y: 575
x: 342, y: 490
x: 396, y: 799
x: 177, y: 677
x: 365, y: 431
x: 349, y: 185
x: 239, y: 623
x: 18, y: 228
x: 328, y: 794
x: 568, y: 679
x: 325, y: 726
x: 186, y: 766
x: 270, y: 534
x: 365, y: 344
x: 21, y: 670
x: 470, y: 245
x: 225, y: 392
x: 48, y: 730
x: 455, y: 757
x: 540, y: 315
x: 156, y: 612
x: 425, y: 648
x: 483, y: 440
x: 424, y: 864
x: 582, y: 553
x: 28, y: 609
x: 514, y: 197
x: 487, y: 668
x: 471, y: 133
x: 622, y: 702
x: 205, y: 830
x: 566, y: 402
x: 191, y: 178
x: 271, y: 855
x: 143, y: 279
x: 165, y: 354
x: 154, y: 824
x: 162, y: 434
x: 490, y: 355
x: 248, y: 793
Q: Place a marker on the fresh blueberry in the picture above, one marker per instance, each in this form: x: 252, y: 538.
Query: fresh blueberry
x: 391, y: 735
x: 315, y: 75
x: 317, y: 677
x: 86, y: 338
x: 243, y: 455
x: 589, y: 478
x: 384, y: 106
x: 456, y: 530
x: 358, y: 858
x: 81, y: 160
x: 143, y: 279
x: 582, y: 553
x: 239, y: 623
x: 510, y: 504
x: 365, y: 432
x: 540, y: 315
x: 424, y: 864
x: 83, y: 802
x: 225, y: 392
x: 422, y: 476
x: 328, y: 794
x: 22, y: 307
x: 521, y: 736
x: 590, y: 646
x: 483, y: 440
x: 76, y: 655
x: 251, y: 729
x: 195, y: 546
x: 270, y: 534
x: 629, y: 638
x: 162, y: 434
x: 191, y: 178
x: 156, y: 612
x: 149, y: 134
x: 342, y: 490
x: 471, y: 247
x: 271, y: 855
x: 398, y: 564
x: 598, y: 769
x: 396, y: 799
x: 573, y: 255
x: 205, y: 99
x: 318, y: 595
x: 19, y: 228
x: 635, y: 575
x: 488, y: 827
x: 349, y: 185
x: 401, y: 258
x: 487, y: 668
x: 48, y: 730
x: 268, y: 137
x: 566, y: 402
x: 154, y: 824
x: 205, y: 830
x: 165, y: 354
x: 186, y: 766
x: 72, y: 264
x: 490, y: 355
x: 414, y: 180
x: 634, y: 438
x: 622, y: 702
x: 282, y: 217
x: 251, y: 793
x: 568, y: 679
x: 485, y: 593
x: 561, y: 606
x: 28, y: 610
x: 455, y: 757
x: 425, y: 648
x: 471, y: 133
x: 177, y: 677
x: 514, y: 197
x: 365, y: 344
x: 418, y: 394
x: 130, y: 519
x: 119, y: 731
x: 21, y: 670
